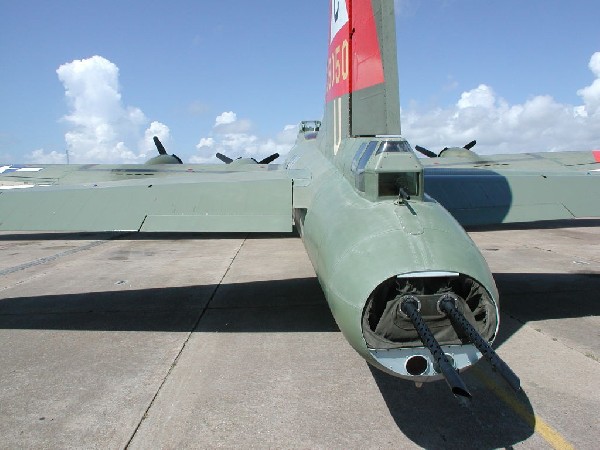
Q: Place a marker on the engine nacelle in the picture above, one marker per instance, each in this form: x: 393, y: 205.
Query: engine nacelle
x: 164, y: 159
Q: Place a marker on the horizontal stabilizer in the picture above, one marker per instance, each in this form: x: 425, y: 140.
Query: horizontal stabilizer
x: 225, y: 202
x: 485, y: 197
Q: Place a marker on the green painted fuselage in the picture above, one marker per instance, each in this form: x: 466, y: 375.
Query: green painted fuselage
x: 358, y: 241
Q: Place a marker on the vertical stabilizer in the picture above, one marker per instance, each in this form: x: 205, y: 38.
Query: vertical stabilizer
x: 362, y: 75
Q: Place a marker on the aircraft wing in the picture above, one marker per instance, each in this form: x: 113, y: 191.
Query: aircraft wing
x: 207, y: 198
x: 516, y: 187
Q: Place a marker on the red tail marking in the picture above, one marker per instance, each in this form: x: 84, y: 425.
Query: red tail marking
x: 596, y: 154
x: 354, y: 60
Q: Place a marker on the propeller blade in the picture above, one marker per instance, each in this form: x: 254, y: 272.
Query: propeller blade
x: 425, y: 152
x: 470, y: 145
x: 159, y: 146
x: 269, y: 159
x: 224, y: 158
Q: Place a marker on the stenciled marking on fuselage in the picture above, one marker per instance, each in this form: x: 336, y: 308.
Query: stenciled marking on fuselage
x: 337, y: 125
x: 18, y: 168
x: 338, y: 65
x: 338, y: 61
x: 354, y: 56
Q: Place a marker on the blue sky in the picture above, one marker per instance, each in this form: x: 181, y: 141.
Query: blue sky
x: 178, y: 66
x: 520, y: 48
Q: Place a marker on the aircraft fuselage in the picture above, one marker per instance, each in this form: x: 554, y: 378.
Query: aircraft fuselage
x: 372, y: 235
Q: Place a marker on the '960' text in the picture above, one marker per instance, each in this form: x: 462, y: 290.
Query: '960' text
x: 338, y: 65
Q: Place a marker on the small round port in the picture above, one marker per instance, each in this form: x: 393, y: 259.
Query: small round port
x: 417, y: 365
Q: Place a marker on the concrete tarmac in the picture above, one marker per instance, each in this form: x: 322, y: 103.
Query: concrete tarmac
x: 204, y: 341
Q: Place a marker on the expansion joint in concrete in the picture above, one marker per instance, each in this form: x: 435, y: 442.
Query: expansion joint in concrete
x: 185, y: 343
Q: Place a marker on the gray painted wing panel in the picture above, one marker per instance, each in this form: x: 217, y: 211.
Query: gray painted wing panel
x: 236, y: 202
x: 478, y: 197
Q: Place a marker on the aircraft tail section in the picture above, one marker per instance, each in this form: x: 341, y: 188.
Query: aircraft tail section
x: 362, y: 76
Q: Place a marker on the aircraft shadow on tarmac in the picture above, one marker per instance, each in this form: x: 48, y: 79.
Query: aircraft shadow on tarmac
x: 135, y: 236
x: 429, y: 416
x: 539, y: 225
x: 294, y: 305
x: 530, y: 297
x: 432, y: 418
x: 526, y: 297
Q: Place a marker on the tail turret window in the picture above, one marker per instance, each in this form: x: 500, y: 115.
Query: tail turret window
x: 394, y: 147
x: 383, y: 169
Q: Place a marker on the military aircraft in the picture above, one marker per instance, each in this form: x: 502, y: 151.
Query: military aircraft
x: 383, y: 229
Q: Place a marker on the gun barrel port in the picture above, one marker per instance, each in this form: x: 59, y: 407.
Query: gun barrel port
x: 450, y: 359
x: 417, y: 365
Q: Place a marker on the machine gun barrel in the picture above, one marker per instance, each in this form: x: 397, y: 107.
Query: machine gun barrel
x: 462, y: 326
x: 410, y: 307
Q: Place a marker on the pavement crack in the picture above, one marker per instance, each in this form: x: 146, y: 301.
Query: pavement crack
x: 51, y: 258
x: 592, y: 357
x: 185, y: 343
x: 587, y: 354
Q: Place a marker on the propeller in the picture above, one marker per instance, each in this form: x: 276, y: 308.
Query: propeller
x: 163, y: 157
x: 425, y: 152
x: 224, y: 158
x: 269, y: 159
x: 470, y: 145
x: 431, y: 154
x: 161, y: 148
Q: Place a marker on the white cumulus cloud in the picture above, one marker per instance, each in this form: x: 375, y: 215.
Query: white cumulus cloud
x: 53, y: 157
x: 206, y: 142
x: 159, y: 130
x: 482, y: 96
x: 234, y: 137
x: 539, y: 124
x: 101, y: 129
x: 228, y: 123
x: 225, y: 118
x: 591, y: 94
